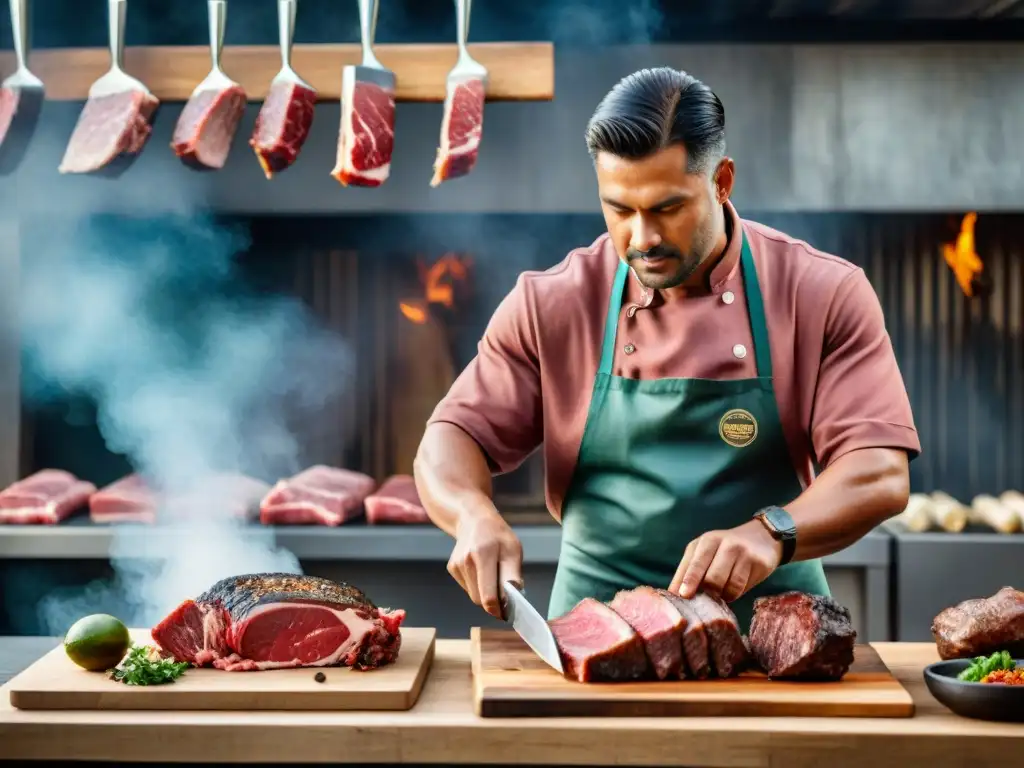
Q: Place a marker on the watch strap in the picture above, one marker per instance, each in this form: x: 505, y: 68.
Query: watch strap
x: 788, y: 549
x: 782, y: 528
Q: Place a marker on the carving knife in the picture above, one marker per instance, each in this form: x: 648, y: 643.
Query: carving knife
x: 530, y: 624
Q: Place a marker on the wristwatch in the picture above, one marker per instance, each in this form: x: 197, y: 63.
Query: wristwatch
x: 782, y: 528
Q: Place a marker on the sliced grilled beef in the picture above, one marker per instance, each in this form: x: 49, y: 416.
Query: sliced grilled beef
x: 695, y: 639
x: 659, y: 625
x: 800, y: 636
x: 598, y: 645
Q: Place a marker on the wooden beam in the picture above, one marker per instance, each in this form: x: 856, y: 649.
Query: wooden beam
x: 517, y: 71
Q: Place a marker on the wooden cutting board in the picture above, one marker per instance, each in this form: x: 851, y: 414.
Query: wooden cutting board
x: 509, y: 680
x: 54, y: 682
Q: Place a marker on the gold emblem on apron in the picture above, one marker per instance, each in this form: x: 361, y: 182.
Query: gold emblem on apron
x: 738, y: 427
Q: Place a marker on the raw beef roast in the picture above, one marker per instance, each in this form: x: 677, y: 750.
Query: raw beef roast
x: 396, y: 501
x: 207, y: 125
x: 982, y: 626
x: 47, y: 497
x: 107, y: 127
x: 128, y: 500
x: 319, y: 495
x: 367, y: 134
x: 801, y: 636
x: 695, y: 639
x: 725, y: 641
x: 279, y: 620
x: 461, y: 130
x: 282, y: 125
x: 598, y: 645
x: 659, y: 625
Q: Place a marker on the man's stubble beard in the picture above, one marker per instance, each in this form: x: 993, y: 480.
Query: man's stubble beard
x: 700, y: 249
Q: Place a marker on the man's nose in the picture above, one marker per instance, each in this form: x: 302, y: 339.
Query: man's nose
x: 645, y: 236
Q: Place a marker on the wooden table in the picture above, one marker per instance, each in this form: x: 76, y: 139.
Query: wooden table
x: 442, y: 728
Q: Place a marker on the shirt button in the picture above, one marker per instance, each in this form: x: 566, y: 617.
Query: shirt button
x: 629, y: 349
x: 728, y: 297
x: 739, y: 351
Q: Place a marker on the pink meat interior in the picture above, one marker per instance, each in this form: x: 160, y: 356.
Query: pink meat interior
x: 646, y: 611
x: 285, y: 632
x: 589, y: 628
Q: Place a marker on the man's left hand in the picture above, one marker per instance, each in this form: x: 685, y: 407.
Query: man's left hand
x: 727, y: 563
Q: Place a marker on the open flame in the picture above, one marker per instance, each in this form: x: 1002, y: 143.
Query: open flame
x: 438, y: 287
x: 962, y: 258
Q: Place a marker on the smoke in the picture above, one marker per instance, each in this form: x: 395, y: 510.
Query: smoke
x: 194, y: 375
x: 602, y: 23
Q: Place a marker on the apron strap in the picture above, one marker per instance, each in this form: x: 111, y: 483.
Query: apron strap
x: 755, y: 309
x: 611, y: 322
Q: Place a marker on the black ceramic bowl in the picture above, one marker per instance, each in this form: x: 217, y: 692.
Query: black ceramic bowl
x: 981, y: 701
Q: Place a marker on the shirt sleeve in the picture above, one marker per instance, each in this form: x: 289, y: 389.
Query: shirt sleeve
x: 497, y: 398
x: 861, y: 400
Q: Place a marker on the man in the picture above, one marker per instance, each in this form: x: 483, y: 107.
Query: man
x: 684, y: 374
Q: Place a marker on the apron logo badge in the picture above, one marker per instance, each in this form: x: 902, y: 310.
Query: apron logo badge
x: 738, y: 428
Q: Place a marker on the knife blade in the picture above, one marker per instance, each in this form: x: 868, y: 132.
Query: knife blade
x: 530, y: 625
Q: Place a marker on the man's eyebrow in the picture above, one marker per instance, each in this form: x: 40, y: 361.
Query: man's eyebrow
x: 613, y: 203
x: 668, y: 202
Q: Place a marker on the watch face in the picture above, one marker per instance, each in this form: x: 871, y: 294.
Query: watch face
x: 779, y: 520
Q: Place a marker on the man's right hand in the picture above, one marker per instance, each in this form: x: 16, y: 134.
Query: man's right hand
x: 487, y: 554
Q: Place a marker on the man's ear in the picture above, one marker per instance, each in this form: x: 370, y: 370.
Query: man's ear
x: 724, y: 178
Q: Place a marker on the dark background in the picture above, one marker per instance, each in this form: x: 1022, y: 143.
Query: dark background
x: 69, y: 23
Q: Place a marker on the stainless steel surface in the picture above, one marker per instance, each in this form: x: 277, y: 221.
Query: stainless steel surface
x: 530, y: 625
x: 932, y: 571
x: 398, y: 566
x: 77, y: 539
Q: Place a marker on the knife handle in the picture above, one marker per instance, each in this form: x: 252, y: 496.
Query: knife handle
x: 518, y: 584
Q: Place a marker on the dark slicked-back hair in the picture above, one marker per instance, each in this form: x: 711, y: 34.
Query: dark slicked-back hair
x: 656, y: 108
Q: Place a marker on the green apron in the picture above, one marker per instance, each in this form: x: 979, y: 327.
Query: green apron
x: 663, y: 461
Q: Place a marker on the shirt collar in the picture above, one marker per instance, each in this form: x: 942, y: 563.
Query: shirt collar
x: 726, y: 267
x: 638, y: 297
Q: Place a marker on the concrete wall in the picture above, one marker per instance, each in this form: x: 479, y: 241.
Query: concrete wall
x: 812, y: 127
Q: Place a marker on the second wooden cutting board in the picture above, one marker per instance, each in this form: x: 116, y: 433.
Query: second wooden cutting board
x: 509, y: 680
x: 54, y: 682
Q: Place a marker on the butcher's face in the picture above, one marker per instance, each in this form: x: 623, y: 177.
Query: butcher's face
x: 664, y: 221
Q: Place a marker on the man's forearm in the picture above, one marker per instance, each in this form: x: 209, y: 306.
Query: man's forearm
x: 452, y: 476
x: 857, y: 492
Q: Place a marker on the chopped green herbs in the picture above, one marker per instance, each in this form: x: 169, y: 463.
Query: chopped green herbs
x: 982, y: 666
x: 145, y: 666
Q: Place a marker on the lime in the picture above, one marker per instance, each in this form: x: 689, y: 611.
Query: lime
x: 97, y: 642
